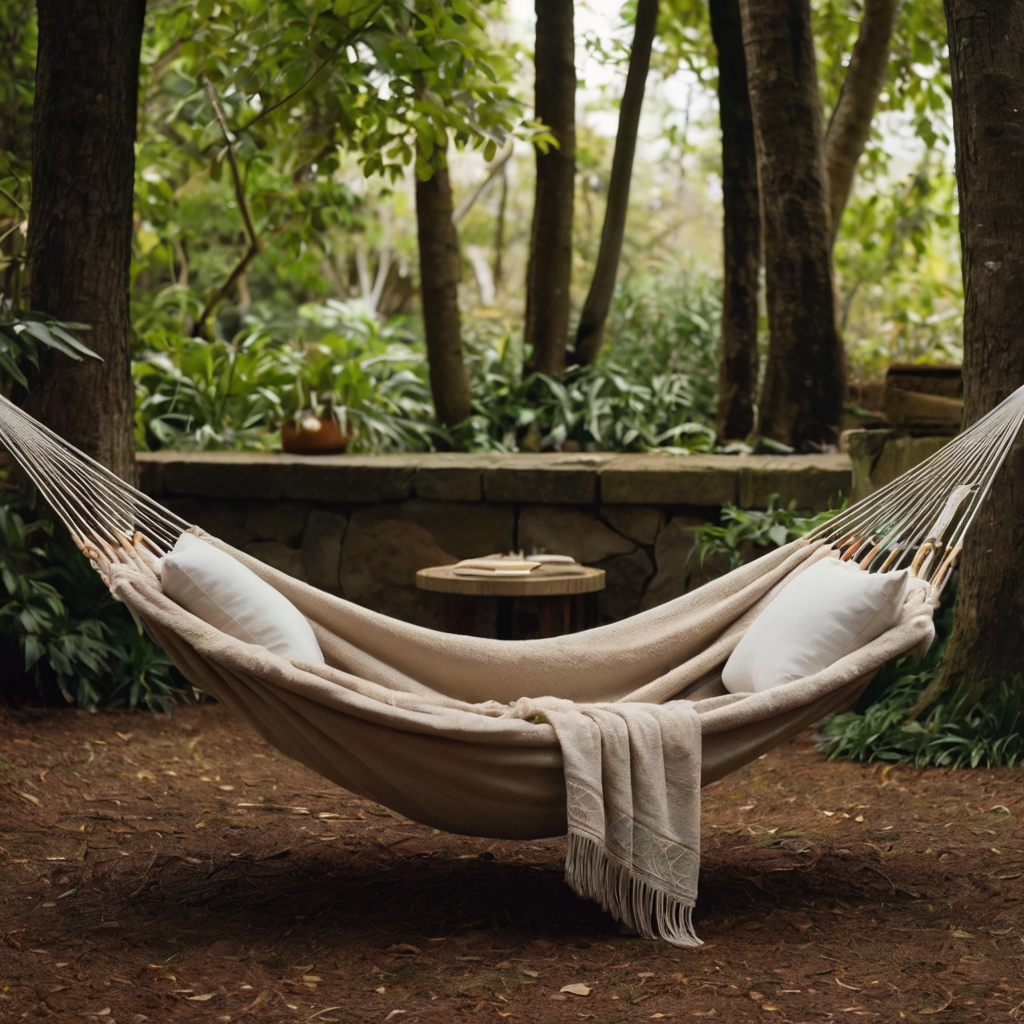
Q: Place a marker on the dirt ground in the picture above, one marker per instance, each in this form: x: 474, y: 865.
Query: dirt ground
x: 178, y: 869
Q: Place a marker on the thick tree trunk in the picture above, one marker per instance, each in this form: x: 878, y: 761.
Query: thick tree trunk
x: 594, y: 315
x: 986, y: 51
x: 851, y: 120
x: 741, y: 234
x: 439, y: 280
x: 80, y: 223
x: 803, y: 387
x: 549, y: 271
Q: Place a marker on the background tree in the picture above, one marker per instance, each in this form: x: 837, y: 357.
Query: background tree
x: 549, y: 272
x: 439, y: 284
x: 594, y: 315
x: 741, y: 229
x: 850, y: 123
x: 802, y: 395
x: 986, y: 50
x: 80, y: 228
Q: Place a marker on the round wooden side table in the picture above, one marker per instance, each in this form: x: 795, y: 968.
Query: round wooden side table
x: 566, y: 602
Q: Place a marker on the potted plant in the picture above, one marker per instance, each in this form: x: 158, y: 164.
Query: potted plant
x: 314, y: 426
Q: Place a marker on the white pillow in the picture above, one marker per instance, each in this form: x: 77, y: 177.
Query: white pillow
x: 216, y: 588
x: 828, y: 611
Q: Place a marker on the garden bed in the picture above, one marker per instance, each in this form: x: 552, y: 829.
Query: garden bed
x: 180, y: 869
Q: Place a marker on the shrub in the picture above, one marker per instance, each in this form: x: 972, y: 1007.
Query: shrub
x: 70, y: 636
x: 742, y: 531
x: 947, y: 734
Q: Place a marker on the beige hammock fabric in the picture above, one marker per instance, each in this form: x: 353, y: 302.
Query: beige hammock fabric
x: 582, y: 733
x: 606, y: 734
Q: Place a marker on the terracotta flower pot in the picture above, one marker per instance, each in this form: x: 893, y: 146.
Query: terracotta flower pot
x: 325, y: 440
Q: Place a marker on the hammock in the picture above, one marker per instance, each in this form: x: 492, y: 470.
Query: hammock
x: 607, y: 734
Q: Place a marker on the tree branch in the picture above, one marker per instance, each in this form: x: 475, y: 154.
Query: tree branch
x: 295, y: 92
x: 850, y: 125
x: 342, y: 43
x: 492, y: 172
x: 7, y: 195
x: 218, y: 295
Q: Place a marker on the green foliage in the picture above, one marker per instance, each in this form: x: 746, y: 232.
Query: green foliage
x: 22, y: 334
x: 743, y: 531
x: 17, y: 82
x: 899, y: 286
x: 948, y: 734
x: 596, y: 408
x: 372, y: 377
x: 301, y: 86
x: 197, y: 395
x: 665, y: 321
x: 71, y: 634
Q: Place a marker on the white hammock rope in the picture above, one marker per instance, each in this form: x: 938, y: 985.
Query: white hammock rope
x: 918, y: 521
x: 109, y: 520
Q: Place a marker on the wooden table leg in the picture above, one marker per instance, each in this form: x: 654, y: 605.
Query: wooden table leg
x: 504, y: 624
x: 458, y: 614
x: 545, y: 626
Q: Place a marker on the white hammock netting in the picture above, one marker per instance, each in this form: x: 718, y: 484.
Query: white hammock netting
x: 607, y: 734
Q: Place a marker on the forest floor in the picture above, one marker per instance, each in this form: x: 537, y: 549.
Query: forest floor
x: 179, y: 869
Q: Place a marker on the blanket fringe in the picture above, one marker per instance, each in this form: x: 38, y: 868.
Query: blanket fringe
x: 649, y: 911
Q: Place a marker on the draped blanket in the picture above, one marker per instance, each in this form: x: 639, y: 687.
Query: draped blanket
x: 632, y: 782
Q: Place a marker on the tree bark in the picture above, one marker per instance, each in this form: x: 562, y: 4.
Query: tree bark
x: 802, y: 394
x: 439, y: 281
x: 549, y: 270
x: 499, y: 232
x: 80, y: 223
x: 986, y: 52
x: 741, y: 233
x: 594, y: 315
x: 851, y: 120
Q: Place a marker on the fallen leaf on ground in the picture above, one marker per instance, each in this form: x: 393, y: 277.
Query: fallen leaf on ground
x: 577, y: 989
x: 206, y: 997
x: 30, y: 798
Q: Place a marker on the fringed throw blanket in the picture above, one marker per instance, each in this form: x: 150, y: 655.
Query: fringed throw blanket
x: 632, y: 781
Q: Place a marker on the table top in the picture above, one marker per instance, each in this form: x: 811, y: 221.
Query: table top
x: 440, y: 578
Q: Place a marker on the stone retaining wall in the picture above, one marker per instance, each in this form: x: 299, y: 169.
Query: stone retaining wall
x: 361, y: 526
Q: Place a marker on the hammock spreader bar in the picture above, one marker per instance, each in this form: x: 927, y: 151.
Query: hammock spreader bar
x: 918, y: 521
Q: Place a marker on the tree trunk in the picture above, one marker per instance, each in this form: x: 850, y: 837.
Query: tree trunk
x: 549, y: 271
x: 803, y: 387
x: 986, y: 52
x: 499, y: 232
x: 80, y: 223
x: 741, y: 234
x: 439, y: 281
x: 851, y: 120
x: 590, y: 332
